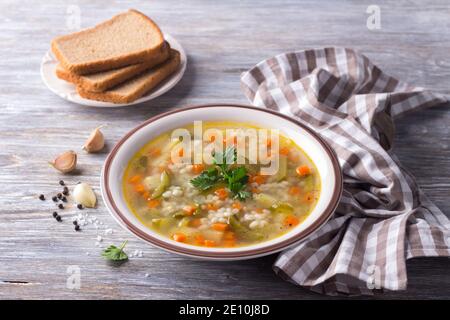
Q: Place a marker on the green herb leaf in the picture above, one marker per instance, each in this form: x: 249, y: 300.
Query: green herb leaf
x: 206, y: 179
x: 235, y: 178
x: 226, y: 158
x: 242, y: 195
x: 115, y: 253
x: 238, y: 175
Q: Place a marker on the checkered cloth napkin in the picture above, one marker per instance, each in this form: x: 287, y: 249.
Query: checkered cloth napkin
x: 383, y: 217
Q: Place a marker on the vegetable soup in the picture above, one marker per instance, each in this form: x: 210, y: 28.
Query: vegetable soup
x: 220, y: 202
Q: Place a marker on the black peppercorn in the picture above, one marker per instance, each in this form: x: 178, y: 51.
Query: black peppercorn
x: 59, y: 195
x: 64, y: 199
x: 60, y: 206
x: 77, y: 228
x: 61, y: 182
x: 58, y: 218
x: 55, y: 199
x: 66, y: 191
x: 80, y: 206
x: 75, y: 222
x: 55, y: 214
x: 42, y: 197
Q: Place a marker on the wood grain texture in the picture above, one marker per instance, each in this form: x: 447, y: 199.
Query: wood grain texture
x: 222, y: 39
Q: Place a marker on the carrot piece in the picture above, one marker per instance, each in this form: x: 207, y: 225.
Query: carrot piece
x: 209, y: 243
x: 211, y: 206
x: 229, y: 235
x: 284, y: 151
x: 181, y: 152
x: 189, y: 210
x: 155, y: 152
x: 258, y: 179
x: 195, y: 223
x: 269, y: 142
x: 146, y: 194
x: 198, y: 168
x: 291, y: 221
x: 294, y: 190
x: 153, y: 203
x: 303, y: 171
x: 236, y: 205
x: 309, y: 197
x: 139, y: 188
x: 219, y: 226
x: 259, y: 210
x: 229, y: 243
x: 180, y: 237
x: 221, y: 193
x: 135, y: 179
x: 199, y: 239
x: 255, y: 190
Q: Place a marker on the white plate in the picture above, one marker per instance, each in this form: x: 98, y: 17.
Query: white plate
x: 68, y: 92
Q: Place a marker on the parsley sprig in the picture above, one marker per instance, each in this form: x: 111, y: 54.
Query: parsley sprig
x: 236, y: 178
x: 207, y: 179
x: 115, y: 253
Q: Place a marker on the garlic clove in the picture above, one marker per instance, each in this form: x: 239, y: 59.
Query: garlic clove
x: 95, y: 142
x: 83, y: 194
x: 65, y: 162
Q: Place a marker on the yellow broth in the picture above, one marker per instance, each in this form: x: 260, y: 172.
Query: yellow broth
x: 162, y: 196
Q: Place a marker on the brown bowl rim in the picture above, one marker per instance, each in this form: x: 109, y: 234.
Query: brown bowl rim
x: 324, y: 216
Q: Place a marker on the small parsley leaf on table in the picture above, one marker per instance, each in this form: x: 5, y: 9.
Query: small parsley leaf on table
x: 115, y: 253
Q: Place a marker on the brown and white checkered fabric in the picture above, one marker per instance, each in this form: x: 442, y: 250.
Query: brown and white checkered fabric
x: 383, y: 217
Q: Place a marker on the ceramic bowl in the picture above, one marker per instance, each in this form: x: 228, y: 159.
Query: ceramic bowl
x: 316, y: 148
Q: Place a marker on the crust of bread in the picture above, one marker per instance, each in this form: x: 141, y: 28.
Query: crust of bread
x: 65, y: 75
x: 111, y: 63
x: 99, y: 82
x: 144, y: 83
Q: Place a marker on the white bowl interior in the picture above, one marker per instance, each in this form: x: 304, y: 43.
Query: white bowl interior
x: 301, y: 137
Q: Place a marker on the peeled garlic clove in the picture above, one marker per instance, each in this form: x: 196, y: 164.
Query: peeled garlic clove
x: 83, y: 194
x: 95, y: 142
x: 65, y: 162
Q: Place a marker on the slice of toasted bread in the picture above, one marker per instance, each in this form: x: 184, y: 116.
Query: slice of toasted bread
x: 128, y: 38
x: 101, y: 81
x: 136, y: 87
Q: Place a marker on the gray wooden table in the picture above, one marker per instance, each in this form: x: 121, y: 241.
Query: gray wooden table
x: 222, y: 39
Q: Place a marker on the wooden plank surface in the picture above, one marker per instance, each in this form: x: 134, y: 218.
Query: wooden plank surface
x: 222, y: 39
